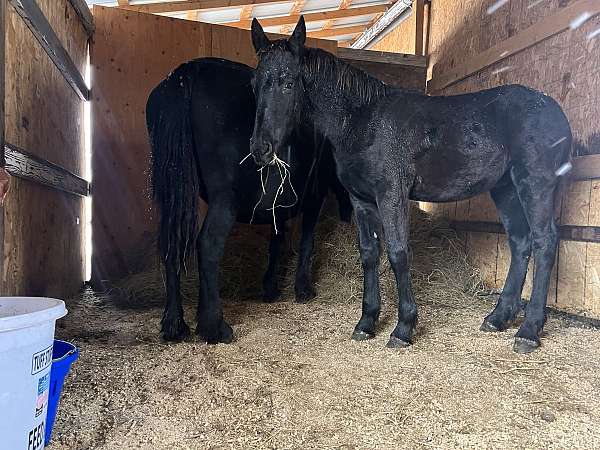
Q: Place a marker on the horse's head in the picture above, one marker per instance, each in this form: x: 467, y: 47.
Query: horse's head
x: 278, y: 89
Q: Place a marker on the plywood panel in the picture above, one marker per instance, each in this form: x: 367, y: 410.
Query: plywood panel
x: 571, y: 275
x: 592, y: 280
x: 43, y: 248
x: 401, y: 39
x: 131, y: 53
x: 482, y: 250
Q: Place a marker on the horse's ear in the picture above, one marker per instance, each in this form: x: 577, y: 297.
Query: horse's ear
x: 259, y: 38
x: 298, y: 37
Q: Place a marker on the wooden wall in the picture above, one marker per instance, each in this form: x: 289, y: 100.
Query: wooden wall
x: 123, y: 76
x: 564, y: 66
x: 43, y: 228
x: 401, y: 39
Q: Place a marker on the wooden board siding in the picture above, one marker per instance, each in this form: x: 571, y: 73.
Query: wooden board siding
x: 43, y: 235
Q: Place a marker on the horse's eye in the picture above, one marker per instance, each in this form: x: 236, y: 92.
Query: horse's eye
x: 288, y: 85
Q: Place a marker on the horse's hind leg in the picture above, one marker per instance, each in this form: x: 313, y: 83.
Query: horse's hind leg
x: 537, y: 196
x: 304, y: 287
x: 173, y: 326
x: 271, y: 292
x: 215, y: 229
x: 513, y: 218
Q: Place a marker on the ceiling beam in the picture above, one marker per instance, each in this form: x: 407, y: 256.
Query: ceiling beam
x: 339, y: 31
x: 295, y: 11
x: 246, y: 13
x: 123, y: 2
x: 313, y: 17
x: 167, y: 7
x: 384, y: 22
x: 344, y: 4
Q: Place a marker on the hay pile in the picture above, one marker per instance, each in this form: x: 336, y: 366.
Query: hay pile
x: 440, y: 270
x: 293, y: 379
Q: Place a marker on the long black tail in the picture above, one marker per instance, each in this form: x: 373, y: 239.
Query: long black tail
x: 175, y: 180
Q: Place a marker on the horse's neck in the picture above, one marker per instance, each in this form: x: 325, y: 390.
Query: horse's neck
x: 330, y: 111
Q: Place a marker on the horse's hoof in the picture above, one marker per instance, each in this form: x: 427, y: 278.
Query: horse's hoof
x: 396, y: 342
x: 360, y: 335
x: 305, y: 295
x: 222, y: 334
x: 176, y: 331
x: 488, y: 327
x: 524, y: 345
x: 272, y: 296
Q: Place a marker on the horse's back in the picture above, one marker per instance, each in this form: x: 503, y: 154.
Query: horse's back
x: 463, y: 144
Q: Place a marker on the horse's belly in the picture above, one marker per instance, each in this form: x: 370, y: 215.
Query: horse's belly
x: 437, y: 182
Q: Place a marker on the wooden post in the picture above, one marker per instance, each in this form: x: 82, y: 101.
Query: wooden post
x: 420, y: 20
x: 2, y: 160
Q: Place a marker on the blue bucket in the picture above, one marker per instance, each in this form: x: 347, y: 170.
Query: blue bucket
x: 63, y: 355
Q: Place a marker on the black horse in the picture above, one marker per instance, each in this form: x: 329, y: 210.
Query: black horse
x: 200, y: 120
x: 391, y: 145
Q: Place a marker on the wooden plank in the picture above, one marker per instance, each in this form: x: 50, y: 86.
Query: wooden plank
x: 407, y: 77
x: 585, y: 168
x: 382, y: 23
x: 482, y: 250
x: 338, y: 31
x: 2, y: 155
x: 43, y: 32
x: 419, y: 8
x: 292, y: 19
x: 571, y: 276
x: 592, y: 280
x: 167, y: 7
x: 27, y: 166
x: 85, y: 15
x: 533, y: 35
x: 401, y: 59
x: 576, y: 233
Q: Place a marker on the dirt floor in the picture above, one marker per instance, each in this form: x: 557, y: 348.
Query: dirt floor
x: 294, y: 379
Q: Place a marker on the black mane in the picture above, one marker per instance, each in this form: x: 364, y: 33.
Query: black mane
x: 320, y: 66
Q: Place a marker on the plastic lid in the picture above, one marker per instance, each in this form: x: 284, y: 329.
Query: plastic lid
x: 24, y: 312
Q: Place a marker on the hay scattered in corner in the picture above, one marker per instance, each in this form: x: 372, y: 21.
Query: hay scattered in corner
x: 439, y: 270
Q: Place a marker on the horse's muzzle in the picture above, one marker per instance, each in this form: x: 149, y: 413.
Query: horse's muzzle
x: 263, y: 155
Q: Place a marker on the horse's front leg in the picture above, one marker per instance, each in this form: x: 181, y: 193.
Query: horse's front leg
x: 216, y: 227
x: 304, y: 287
x: 271, y: 292
x: 369, y: 229
x: 394, y: 212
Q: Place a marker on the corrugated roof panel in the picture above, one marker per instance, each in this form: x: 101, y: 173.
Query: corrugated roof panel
x: 356, y: 20
x: 356, y: 3
x: 271, y: 10
x: 320, y: 5
x: 220, y: 15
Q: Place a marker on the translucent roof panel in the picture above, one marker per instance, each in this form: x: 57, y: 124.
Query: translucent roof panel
x: 220, y: 15
x: 356, y: 20
x: 271, y: 10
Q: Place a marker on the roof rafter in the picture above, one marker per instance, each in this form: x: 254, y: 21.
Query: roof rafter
x: 167, y: 7
x: 314, y: 17
x: 339, y: 31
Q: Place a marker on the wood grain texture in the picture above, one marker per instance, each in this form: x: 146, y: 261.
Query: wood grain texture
x: 401, y: 39
x: 43, y: 252
x: 33, y: 16
x: 22, y: 164
x: 2, y: 159
x: 378, y: 56
x: 82, y: 10
x: 123, y: 78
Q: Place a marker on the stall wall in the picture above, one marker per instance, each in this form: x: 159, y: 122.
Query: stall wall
x: 564, y: 66
x: 130, y: 54
x: 43, y: 227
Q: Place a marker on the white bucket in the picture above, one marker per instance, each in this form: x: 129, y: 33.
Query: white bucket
x: 26, y: 338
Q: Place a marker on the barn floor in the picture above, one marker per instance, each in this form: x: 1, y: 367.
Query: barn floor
x: 294, y: 379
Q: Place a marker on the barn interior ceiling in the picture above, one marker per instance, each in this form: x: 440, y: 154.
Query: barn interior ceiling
x: 346, y: 21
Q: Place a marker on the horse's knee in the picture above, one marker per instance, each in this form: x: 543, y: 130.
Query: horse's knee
x: 520, y: 246
x: 399, y: 258
x: 369, y: 256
